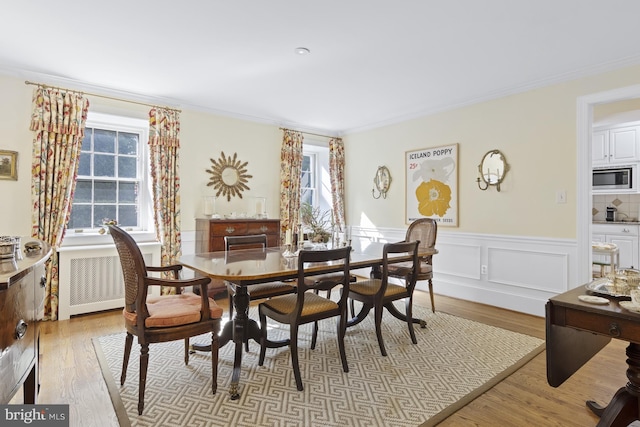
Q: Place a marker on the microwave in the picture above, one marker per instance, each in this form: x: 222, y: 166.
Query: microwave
x: 615, y: 179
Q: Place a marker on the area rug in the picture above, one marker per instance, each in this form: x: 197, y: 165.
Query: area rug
x: 454, y: 361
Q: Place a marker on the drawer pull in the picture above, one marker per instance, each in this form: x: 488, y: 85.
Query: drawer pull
x: 21, y: 329
x: 43, y: 282
x: 230, y: 230
x: 614, y: 330
x: 264, y: 228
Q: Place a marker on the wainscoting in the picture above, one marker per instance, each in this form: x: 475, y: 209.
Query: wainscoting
x: 521, y: 274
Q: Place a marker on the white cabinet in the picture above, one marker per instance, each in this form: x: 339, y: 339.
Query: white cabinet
x: 625, y: 236
x: 615, y: 145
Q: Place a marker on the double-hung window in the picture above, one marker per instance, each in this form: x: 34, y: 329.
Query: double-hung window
x: 113, y: 176
x: 315, y: 185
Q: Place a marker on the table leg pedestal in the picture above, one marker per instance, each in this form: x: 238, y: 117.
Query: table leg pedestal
x: 624, y: 408
x: 239, y: 331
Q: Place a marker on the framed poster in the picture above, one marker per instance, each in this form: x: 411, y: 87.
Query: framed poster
x: 432, y: 184
x: 9, y: 165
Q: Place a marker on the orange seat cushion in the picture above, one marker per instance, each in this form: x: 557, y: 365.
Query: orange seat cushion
x: 173, y: 310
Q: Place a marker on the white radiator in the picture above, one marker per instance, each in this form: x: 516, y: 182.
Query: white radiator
x: 91, y: 277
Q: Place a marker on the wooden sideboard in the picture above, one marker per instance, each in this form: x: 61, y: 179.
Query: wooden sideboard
x: 22, y: 288
x: 210, y: 234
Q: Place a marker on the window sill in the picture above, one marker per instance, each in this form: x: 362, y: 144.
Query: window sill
x: 96, y: 239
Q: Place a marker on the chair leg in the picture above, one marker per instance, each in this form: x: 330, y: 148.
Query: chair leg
x: 409, y: 310
x: 128, y: 342
x: 353, y: 308
x: 342, y: 328
x: 230, y: 305
x: 186, y: 351
x: 293, y: 348
x: 263, y: 337
x: 314, y: 336
x: 433, y: 305
x: 378, y: 320
x: 144, y: 364
x: 215, y: 347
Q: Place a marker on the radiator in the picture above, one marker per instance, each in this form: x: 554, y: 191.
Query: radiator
x: 90, y: 278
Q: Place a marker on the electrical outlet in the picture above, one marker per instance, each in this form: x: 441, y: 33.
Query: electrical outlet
x: 483, y: 269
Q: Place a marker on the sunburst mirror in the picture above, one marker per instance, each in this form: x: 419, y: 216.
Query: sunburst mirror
x: 228, y: 176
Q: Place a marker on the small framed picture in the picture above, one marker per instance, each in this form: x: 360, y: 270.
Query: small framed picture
x: 9, y: 165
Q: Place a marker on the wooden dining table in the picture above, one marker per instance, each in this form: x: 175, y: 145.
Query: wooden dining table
x: 246, y: 267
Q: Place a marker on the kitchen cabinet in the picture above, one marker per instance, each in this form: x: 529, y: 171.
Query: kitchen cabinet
x: 625, y: 236
x: 615, y: 145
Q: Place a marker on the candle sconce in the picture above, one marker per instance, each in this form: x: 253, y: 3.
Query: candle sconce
x: 382, y: 181
x: 492, y: 168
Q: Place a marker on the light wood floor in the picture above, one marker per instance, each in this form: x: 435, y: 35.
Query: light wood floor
x: 70, y: 374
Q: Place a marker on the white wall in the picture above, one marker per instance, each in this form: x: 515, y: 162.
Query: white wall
x: 526, y: 239
x: 536, y: 130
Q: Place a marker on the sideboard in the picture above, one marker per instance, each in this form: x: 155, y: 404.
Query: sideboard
x: 210, y: 234
x: 22, y: 289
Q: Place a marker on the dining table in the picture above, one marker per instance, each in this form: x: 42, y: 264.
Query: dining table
x: 245, y: 267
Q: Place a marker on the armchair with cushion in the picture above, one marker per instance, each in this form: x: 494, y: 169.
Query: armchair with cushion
x: 154, y: 319
x: 425, y: 230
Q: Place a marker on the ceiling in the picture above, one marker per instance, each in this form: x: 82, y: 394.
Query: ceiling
x: 371, y: 63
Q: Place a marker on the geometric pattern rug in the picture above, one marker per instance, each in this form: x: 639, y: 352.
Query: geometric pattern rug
x: 454, y: 362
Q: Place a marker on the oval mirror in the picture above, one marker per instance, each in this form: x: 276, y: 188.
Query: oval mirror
x: 229, y: 176
x: 493, y: 168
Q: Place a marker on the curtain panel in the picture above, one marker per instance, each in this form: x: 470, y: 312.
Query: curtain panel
x: 290, y: 170
x: 336, y: 174
x: 164, y: 145
x: 58, y: 120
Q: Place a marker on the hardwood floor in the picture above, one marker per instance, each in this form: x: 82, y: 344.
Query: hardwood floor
x: 70, y: 374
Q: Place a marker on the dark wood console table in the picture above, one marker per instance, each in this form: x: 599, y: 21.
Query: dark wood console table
x: 576, y: 331
x: 22, y: 286
x: 210, y: 234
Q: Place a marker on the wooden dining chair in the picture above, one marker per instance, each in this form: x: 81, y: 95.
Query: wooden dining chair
x: 154, y: 319
x: 306, y: 306
x: 263, y: 290
x: 425, y: 230
x: 379, y: 293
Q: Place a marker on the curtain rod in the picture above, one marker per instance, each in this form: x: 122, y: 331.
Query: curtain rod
x: 314, y: 134
x: 27, y: 82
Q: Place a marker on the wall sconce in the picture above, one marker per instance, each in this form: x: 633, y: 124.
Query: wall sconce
x: 382, y: 181
x: 492, y: 168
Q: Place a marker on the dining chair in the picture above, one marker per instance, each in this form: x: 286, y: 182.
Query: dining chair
x: 306, y: 306
x: 380, y: 293
x: 260, y: 291
x: 425, y: 230
x: 154, y: 319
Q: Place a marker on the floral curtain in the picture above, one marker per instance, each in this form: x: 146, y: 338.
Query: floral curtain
x: 336, y: 174
x: 58, y: 119
x: 164, y: 143
x: 290, y: 169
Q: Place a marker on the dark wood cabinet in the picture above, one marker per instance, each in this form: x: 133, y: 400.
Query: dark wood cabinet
x: 22, y: 286
x: 210, y: 235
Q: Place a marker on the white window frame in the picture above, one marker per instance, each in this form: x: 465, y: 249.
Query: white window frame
x: 314, y: 176
x: 322, y: 194
x: 145, y: 232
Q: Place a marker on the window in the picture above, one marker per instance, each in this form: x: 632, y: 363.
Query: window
x: 315, y: 183
x: 112, y: 175
x: 308, y: 181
